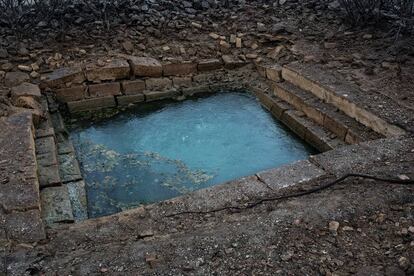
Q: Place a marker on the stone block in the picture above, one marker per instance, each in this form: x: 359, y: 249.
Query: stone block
x: 60, y: 77
x: 56, y: 206
x: 265, y: 99
x: 278, y: 108
x: 336, y: 127
x: 49, y: 175
x: 31, y: 104
x: 113, y: 70
x: 133, y: 87
x: 26, y: 89
x: 158, y: 84
x: 196, y: 90
x: 145, y: 66
x: 130, y: 99
x: 58, y: 122
x: 291, y: 118
x: 104, y: 89
x: 25, y: 227
x: 91, y: 104
x: 64, y: 144
x: 182, y: 82
x: 261, y: 69
x: 45, y: 145
x: 15, y: 78
x: 179, y: 69
x: 69, y: 167
x: 352, y: 138
x: 209, y: 64
x: 160, y: 95
x: 78, y: 199
x: 314, y: 113
x: 292, y: 174
x: 231, y: 62
x: 75, y: 93
x: 45, y: 127
x: 47, y: 159
x: 274, y: 73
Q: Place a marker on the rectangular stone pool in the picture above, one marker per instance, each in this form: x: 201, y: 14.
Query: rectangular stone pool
x: 161, y: 150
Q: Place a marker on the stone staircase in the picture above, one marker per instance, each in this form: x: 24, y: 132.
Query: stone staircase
x: 319, y: 108
x: 62, y: 190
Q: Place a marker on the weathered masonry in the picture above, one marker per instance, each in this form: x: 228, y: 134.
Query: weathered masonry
x: 50, y: 189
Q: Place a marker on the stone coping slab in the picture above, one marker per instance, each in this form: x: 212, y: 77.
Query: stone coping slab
x: 20, y: 187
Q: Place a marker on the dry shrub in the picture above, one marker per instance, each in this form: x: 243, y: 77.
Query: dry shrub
x: 399, y: 12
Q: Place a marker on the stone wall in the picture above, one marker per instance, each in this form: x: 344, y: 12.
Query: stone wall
x: 124, y: 81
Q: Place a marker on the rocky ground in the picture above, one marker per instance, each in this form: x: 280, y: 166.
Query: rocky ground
x: 359, y: 227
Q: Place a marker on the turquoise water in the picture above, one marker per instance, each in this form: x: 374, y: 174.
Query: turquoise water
x: 160, y: 151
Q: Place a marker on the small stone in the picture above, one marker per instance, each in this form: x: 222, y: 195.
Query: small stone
x: 196, y: 25
x: 166, y: 48
x: 330, y: 45
x: 404, y: 263
x: 404, y: 231
x: 411, y: 229
x: 287, y: 256
x: 224, y: 44
x: 254, y: 46
x: 238, y: 42
x: 367, y: 36
x: 403, y: 177
x: 23, y: 51
x: 347, y: 228
x: 34, y: 75
x: 214, y: 35
x: 24, y: 68
x: 151, y: 259
x: 128, y: 46
x: 333, y: 227
x: 261, y: 27
x: 35, y: 67
x: 380, y: 218
x: 3, y: 53
x: 233, y: 38
x: 251, y: 56
x: 7, y: 66
x: 2, y: 74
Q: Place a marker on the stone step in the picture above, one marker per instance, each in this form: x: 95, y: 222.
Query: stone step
x: 313, y: 133
x: 380, y: 115
x: 56, y: 205
x: 326, y: 115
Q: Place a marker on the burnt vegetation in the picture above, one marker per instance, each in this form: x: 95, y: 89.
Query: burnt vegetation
x: 21, y: 16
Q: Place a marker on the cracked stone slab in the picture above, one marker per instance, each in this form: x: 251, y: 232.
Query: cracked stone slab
x: 69, y: 167
x: 56, y: 206
x: 296, y: 173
